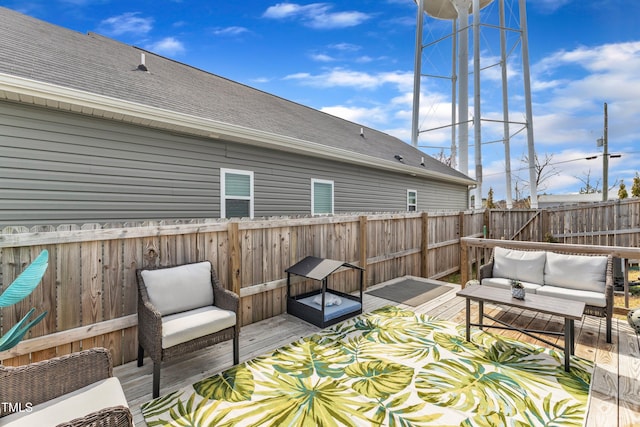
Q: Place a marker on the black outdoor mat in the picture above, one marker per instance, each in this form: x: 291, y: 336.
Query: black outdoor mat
x: 410, y: 291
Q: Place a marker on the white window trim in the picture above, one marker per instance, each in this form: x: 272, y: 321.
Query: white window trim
x: 412, y: 204
x: 321, y: 181
x: 223, y: 196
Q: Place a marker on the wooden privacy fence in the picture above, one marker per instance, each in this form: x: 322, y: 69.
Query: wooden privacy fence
x: 90, y: 292
x: 612, y: 223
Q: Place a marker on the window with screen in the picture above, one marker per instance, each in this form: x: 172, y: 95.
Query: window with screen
x: 236, y: 193
x: 412, y: 200
x: 321, y: 197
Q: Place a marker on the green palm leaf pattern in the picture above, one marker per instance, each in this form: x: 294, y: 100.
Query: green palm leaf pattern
x: 576, y: 382
x: 494, y: 419
x: 190, y: 414
x: 293, y: 401
x: 233, y: 385
x: 390, y: 367
x: 161, y: 404
x: 466, y: 385
x: 454, y: 343
x: 379, y: 379
x: 552, y: 413
x: 309, y: 357
x: 395, y: 412
x: 360, y: 348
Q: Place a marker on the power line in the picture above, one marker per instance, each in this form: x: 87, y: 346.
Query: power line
x: 564, y: 161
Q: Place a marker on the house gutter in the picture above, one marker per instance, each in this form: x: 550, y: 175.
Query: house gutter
x: 57, y: 97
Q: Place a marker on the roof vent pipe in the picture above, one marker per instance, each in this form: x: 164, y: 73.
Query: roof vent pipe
x: 142, y: 66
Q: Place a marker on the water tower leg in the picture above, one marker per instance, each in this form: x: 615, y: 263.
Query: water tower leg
x: 529, y: 113
x: 462, y: 7
x: 477, y: 112
x: 417, y: 75
x: 505, y: 105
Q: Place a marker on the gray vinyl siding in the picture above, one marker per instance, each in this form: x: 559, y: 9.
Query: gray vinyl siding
x: 60, y: 167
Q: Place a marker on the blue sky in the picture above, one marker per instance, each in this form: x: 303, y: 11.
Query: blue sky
x: 355, y: 59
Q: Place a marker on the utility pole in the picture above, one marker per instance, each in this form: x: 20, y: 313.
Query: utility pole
x: 605, y: 158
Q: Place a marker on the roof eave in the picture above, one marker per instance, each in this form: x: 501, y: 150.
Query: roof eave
x: 34, y: 92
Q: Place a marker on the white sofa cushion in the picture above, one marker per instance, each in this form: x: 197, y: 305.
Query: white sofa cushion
x: 580, y: 272
x: 525, y: 266
x: 182, y: 327
x: 82, y: 402
x: 596, y: 299
x: 498, y: 282
x: 182, y: 288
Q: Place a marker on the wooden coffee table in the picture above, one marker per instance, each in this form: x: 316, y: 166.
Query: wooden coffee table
x: 569, y: 310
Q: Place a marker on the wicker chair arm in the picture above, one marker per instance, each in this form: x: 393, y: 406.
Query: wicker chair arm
x: 150, y: 313
x: 116, y: 416
x: 609, y: 286
x: 486, y: 270
x: 150, y: 328
x: 42, y: 381
x: 226, y: 299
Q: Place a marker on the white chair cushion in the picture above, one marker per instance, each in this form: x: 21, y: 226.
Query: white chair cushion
x: 581, y: 272
x: 82, y: 402
x: 525, y: 266
x: 596, y: 299
x: 506, y: 284
x: 182, y: 327
x: 182, y: 288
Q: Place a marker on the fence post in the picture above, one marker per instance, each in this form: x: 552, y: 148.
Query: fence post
x: 424, y: 246
x: 545, y: 226
x: 464, y: 264
x: 363, y: 248
x: 235, y: 258
x: 486, y: 219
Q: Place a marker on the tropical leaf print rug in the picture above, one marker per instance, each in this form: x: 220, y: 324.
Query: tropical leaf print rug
x: 390, y: 367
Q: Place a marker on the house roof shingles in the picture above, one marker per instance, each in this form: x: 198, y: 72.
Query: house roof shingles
x: 42, y: 52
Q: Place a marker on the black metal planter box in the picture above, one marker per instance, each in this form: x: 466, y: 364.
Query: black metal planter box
x: 311, y: 306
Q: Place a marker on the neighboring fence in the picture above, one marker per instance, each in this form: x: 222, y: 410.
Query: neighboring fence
x: 612, y: 223
x: 90, y: 289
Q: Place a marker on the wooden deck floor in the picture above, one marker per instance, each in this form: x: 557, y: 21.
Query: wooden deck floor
x: 615, y: 398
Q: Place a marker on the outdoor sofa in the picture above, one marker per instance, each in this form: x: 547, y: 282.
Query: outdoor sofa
x: 587, y: 278
x: 76, y: 389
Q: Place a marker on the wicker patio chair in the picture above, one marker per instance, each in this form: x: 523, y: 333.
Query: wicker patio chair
x: 182, y: 309
x: 56, y: 391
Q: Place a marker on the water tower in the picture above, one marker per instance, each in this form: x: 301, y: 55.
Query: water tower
x: 458, y: 12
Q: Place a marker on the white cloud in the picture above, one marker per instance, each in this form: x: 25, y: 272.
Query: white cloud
x: 283, y: 10
x: 347, y: 47
x: 364, y: 59
x: 550, y: 6
x: 167, y: 46
x: 322, y: 57
x: 230, y: 31
x: 339, y: 77
x: 127, y: 23
x: 362, y: 115
x: 316, y: 15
